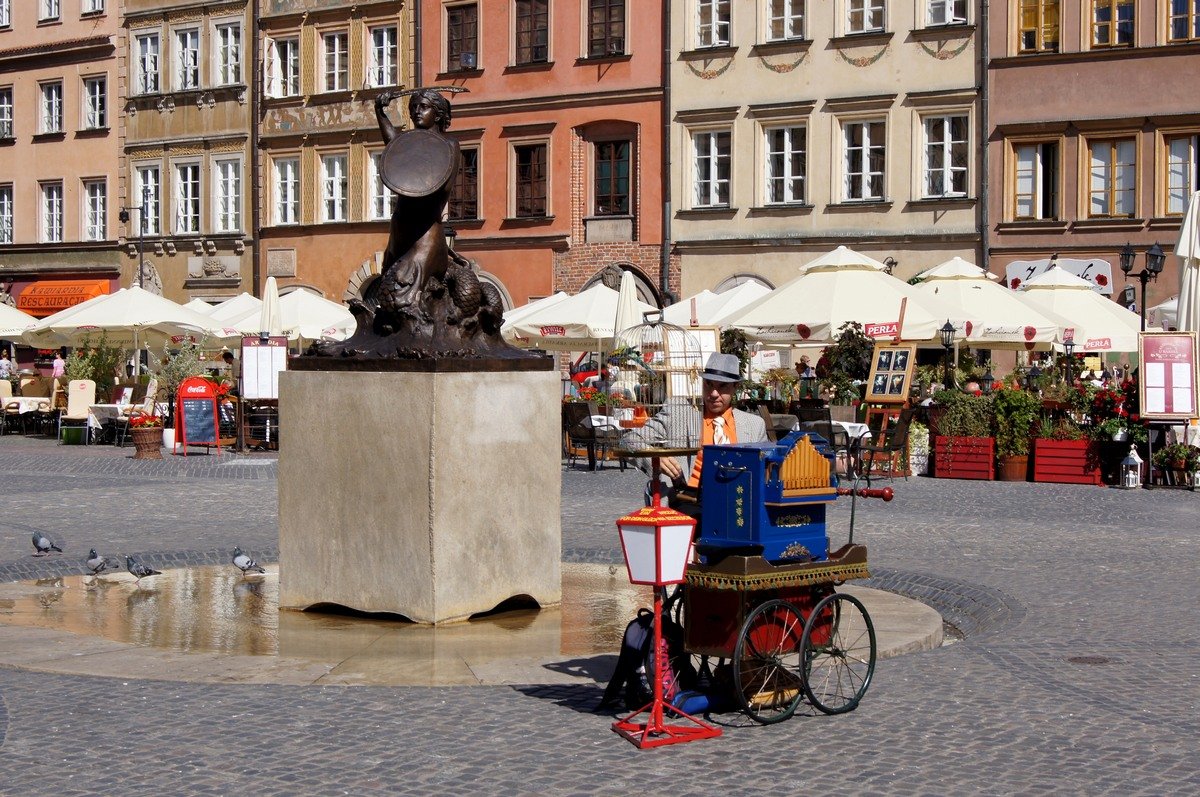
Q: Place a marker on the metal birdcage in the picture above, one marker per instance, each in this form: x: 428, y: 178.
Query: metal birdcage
x: 659, y: 366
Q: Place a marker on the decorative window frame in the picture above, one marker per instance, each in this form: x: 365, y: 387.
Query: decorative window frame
x: 322, y: 39
x: 445, y: 42
x: 525, y: 141
x: 844, y: 11
x: 85, y: 209
x: 1162, y: 138
x: 177, y: 82
x: 276, y: 158
x: 85, y: 100
x: 322, y: 216
x: 135, y: 58
x: 214, y: 29
x: 1011, y: 143
x: 369, y: 65
x: 585, y: 38
x: 1086, y: 140
x: 616, y: 134
x: 154, y: 225
x: 373, y: 188
x: 921, y: 152
x: 512, y: 36
x: 216, y: 190
x: 475, y: 145
x: 839, y: 173
x: 174, y: 166
x: 44, y: 231
x: 61, y: 122
x: 924, y: 14
x: 697, y: 33
x: 769, y: 117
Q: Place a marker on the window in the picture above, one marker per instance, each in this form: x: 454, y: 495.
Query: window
x: 464, y: 190
x: 52, y: 212
x: 6, y: 112
x: 187, y: 197
x: 785, y: 19
x: 712, y: 23
x: 146, y: 45
x: 187, y: 59
x: 52, y: 119
x: 1113, y: 177
x: 863, y: 16
x: 95, y: 102
x: 93, y: 7
x: 1035, y: 185
x: 1112, y: 23
x: 1184, y: 20
x: 612, y: 178
x: 711, y: 167
x: 227, y: 194
x: 462, y: 37
x: 947, y: 12
x: 95, y: 195
x: 531, y: 180
x: 786, y: 164
x: 865, y: 147
x: 337, y: 47
x: 282, y: 68
x: 49, y: 9
x: 1183, y: 171
x: 1038, y: 26
x: 533, y: 31
x: 6, y: 214
x: 383, y: 57
x: 287, y: 191
x: 333, y: 187
x: 379, y: 198
x: 606, y: 28
x: 149, y: 195
x: 946, y: 156
x: 5, y: 21
x: 229, y: 53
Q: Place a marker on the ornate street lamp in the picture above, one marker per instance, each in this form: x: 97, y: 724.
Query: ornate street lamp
x: 1068, y: 349
x: 1155, y: 258
x: 947, y: 331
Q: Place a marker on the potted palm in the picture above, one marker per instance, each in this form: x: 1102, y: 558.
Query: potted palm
x: 1014, y: 412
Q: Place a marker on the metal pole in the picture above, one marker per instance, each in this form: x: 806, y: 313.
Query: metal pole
x: 1144, y: 277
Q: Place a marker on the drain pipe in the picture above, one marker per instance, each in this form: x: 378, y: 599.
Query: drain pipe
x: 664, y: 273
x: 984, y: 162
x: 255, y: 171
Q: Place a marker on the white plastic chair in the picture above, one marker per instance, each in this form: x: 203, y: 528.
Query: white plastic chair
x: 81, y: 395
x: 147, y: 407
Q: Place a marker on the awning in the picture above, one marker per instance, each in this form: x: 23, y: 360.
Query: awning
x: 46, y: 297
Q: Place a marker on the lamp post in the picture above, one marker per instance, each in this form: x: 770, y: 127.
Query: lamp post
x: 1068, y: 349
x: 123, y: 216
x: 947, y: 331
x: 1155, y: 257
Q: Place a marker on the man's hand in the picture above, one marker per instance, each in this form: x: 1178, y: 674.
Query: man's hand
x: 670, y: 467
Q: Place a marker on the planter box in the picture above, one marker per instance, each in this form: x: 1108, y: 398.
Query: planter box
x: 964, y: 457
x: 1066, y: 462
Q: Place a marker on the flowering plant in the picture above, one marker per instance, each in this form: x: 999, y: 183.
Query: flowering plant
x: 144, y: 420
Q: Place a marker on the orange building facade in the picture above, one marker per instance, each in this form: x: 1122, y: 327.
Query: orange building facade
x: 561, y: 129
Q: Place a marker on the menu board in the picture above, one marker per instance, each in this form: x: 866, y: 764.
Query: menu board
x: 196, y: 413
x: 891, y: 373
x: 262, y: 360
x: 1167, y: 383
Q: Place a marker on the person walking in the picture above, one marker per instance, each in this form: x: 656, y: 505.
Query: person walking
x: 59, y: 366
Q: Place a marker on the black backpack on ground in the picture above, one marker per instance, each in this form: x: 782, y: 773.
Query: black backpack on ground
x: 632, y: 679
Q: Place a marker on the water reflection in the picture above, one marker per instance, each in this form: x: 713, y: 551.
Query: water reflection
x: 218, y: 610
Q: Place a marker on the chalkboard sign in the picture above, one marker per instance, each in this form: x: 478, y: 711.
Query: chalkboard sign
x: 196, y: 414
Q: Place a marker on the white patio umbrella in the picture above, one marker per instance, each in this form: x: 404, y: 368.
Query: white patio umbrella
x: 1097, y: 324
x: 314, y: 317
x: 200, y: 306
x: 1164, y: 315
x: 583, y: 322
x: 681, y: 313
x: 269, y: 319
x: 236, y: 307
x: 13, y: 322
x: 995, y: 317
x: 1188, y: 314
x: 841, y: 286
x: 627, y: 315
x: 729, y: 302
x: 517, y: 313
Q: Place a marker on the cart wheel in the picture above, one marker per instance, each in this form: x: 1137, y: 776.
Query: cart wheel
x: 839, y: 653
x: 766, y: 662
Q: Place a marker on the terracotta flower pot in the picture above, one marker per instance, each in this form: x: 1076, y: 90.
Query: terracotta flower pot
x: 147, y: 442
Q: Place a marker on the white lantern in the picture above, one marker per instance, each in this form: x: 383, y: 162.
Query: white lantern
x: 657, y: 543
x: 1131, y: 470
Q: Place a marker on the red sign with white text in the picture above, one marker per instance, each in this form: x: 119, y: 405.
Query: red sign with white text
x: 888, y: 329
x: 1167, y: 377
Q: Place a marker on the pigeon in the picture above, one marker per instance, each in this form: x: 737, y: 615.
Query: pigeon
x: 96, y: 563
x: 43, y: 545
x: 245, y: 563
x: 139, y: 570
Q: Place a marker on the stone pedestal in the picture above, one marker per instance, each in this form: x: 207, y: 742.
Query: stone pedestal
x: 431, y: 495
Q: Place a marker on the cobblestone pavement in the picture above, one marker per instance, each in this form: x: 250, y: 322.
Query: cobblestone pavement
x: 1035, y: 575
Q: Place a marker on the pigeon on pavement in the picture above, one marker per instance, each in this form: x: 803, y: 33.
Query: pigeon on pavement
x: 43, y: 545
x: 245, y: 563
x: 96, y: 563
x: 139, y: 570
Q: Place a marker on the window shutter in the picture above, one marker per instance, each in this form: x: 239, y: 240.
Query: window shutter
x: 271, y: 73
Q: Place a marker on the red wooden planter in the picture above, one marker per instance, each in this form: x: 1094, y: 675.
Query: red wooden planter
x: 1065, y: 462
x: 964, y: 457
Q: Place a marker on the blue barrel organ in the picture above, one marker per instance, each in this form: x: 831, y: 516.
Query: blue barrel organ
x: 768, y: 495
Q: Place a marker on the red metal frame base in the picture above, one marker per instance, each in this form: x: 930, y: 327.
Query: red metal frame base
x: 654, y: 733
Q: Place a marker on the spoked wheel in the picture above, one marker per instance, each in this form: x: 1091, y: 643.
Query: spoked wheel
x: 838, y: 647
x: 767, y: 675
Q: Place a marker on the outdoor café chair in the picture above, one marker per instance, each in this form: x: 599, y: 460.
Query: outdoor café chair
x: 891, y: 448
x: 81, y: 395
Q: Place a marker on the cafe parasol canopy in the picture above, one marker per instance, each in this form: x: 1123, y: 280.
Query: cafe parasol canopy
x: 1097, y: 324
x: 300, y: 315
x: 1187, y: 317
x: 517, y: 313
x: 839, y: 287
x: 130, y: 317
x: 711, y: 308
x: 13, y: 322
x: 994, y: 317
x: 235, y: 308
x: 583, y: 322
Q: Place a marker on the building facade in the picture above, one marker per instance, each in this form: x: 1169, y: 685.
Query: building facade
x: 323, y: 207
x: 59, y: 180
x: 561, y: 136
x: 797, y: 126
x: 1096, y: 130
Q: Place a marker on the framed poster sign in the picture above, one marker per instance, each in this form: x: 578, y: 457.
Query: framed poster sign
x: 1167, y: 383
x: 262, y: 361
x: 891, y: 373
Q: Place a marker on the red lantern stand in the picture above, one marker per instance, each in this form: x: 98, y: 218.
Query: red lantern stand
x: 657, y: 544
